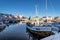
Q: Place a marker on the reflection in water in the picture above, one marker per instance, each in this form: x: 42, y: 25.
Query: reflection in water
x: 2, y: 28
x: 14, y: 32
x: 20, y: 23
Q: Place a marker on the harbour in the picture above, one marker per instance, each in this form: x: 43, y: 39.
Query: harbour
x: 29, y: 20
x: 19, y: 32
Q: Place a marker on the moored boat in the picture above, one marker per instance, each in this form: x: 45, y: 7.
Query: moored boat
x: 39, y: 27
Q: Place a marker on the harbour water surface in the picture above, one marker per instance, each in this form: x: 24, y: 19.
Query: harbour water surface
x: 14, y: 32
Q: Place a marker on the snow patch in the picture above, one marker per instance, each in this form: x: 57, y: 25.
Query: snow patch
x: 53, y: 37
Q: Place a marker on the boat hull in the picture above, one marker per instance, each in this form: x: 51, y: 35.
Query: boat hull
x: 39, y: 34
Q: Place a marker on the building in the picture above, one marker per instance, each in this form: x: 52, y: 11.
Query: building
x: 57, y: 19
x: 47, y: 19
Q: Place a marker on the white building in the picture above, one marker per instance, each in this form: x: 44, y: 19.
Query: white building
x: 47, y: 19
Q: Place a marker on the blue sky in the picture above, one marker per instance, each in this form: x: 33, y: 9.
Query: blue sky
x: 27, y: 7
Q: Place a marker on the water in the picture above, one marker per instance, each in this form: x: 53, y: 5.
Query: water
x: 14, y: 32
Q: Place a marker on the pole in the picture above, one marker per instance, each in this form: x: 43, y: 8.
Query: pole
x: 46, y: 11
x: 36, y: 10
x: 46, y: 8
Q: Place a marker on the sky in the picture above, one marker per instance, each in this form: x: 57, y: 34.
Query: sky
x: 27, y: 7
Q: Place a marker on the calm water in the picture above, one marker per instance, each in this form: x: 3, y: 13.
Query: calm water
x: 14, y: 32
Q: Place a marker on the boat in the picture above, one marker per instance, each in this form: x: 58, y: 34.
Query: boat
x: 2, y: 26
x: 39, y: 28
x: 57, y: 24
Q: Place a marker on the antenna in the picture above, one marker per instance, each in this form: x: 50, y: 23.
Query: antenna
x: 36, y: 10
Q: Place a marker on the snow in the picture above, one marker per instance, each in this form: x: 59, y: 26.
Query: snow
x: 56, y: 36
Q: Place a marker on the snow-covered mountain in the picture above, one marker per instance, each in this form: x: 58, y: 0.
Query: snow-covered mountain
x: 6, y: 16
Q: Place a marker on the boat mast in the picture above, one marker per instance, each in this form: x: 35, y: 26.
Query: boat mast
x: 36, y: 10
x: 46, y: 10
